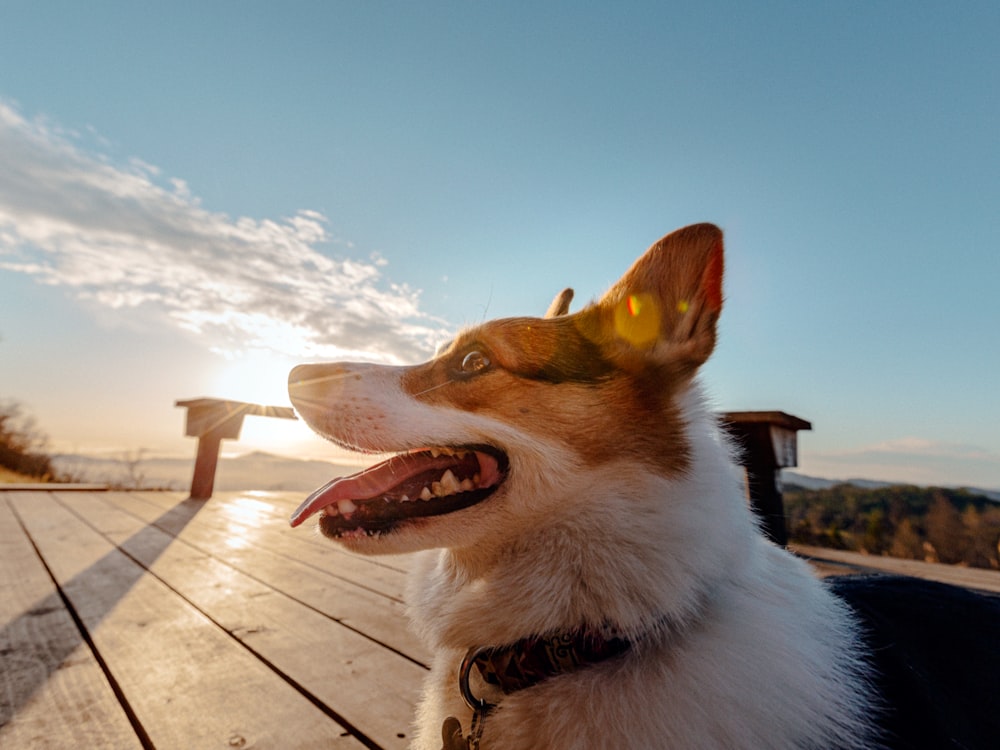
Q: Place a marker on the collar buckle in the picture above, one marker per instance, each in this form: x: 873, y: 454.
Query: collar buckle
x: 476, y: 704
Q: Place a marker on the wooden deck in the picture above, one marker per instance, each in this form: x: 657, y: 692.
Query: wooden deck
x: 144, y: 620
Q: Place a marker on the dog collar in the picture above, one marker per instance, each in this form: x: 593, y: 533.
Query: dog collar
x: 535, y: 659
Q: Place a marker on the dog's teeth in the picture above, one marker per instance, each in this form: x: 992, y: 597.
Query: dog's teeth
x: 475, y: 479
x: 435, y: 452
x: 449, y: 482
x: 438, y: 490
x: 346, y: 507
x: 404, y: 499
x: 467, y: 485
x: 425, y: 494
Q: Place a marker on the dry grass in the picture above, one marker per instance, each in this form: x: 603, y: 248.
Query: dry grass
x: 12, y: 477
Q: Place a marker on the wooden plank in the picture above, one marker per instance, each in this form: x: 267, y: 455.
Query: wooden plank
x: 377, y: 616
x: 187, y: 681
x: 51, y: 487
x: 384, y: 574
x: 249, y: 513
x: 230, y: 527
x: 373, y: 688
x: 835, y: 562
x: 53, y: 693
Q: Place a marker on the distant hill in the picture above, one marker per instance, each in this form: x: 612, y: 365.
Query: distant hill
x: 251, y: 471
x: 792, y: 479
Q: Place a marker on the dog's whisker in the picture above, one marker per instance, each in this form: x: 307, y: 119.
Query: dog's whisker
x: 432, y: 388
x: 308, y: 403
x: 319, y: 381
x: 489, y: 300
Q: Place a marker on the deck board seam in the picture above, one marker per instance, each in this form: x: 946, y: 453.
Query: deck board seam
x: 311, y: 566
x: 349, y: 726
x: 294, y: 684
x: 126, y: 706
x: 307, y: 605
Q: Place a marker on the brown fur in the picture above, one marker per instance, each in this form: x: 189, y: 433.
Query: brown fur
x: 620, y: 510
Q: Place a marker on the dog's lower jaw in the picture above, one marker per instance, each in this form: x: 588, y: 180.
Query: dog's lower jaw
x: 623, y: 548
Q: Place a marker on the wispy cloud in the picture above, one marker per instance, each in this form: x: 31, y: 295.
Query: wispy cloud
x: 123, y: 237
x: 914, y: 460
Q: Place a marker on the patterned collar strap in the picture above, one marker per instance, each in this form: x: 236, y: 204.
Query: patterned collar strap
x: 532, y: 660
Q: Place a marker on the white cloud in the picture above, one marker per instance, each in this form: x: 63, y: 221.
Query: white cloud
x: 915, y: 460
x: 121, y: 239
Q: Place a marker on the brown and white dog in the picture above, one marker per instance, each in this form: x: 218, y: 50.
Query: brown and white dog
x: 594, y: 577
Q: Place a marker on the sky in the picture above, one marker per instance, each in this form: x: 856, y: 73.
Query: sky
x: 196, y: 196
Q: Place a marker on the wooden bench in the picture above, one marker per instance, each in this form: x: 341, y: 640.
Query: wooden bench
x: 769, y: 443
x: 213, y: 420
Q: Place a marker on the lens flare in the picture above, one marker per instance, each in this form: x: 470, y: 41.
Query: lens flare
x: 637, y: 319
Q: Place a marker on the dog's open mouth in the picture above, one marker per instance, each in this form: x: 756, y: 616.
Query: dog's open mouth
x: 416, y: 484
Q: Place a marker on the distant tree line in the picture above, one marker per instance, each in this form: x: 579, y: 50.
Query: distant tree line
x: 24, y: 450
x: 23, y: 447
x: 919, y: 523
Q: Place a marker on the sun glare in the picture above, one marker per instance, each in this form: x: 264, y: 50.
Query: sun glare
x: 260, y: 378
x: 257, y: 377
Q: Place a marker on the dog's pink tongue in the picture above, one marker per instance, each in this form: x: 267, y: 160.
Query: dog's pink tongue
x: 368, y: 483
x: 380, y: 479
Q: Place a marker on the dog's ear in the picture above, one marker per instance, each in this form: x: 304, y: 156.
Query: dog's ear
x: 560, y: 305
x: 667, y: 304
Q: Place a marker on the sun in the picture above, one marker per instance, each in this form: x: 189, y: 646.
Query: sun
x: 256, y: 377
x: 261, y: 377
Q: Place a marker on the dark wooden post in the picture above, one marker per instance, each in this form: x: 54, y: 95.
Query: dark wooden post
x: 211, y: 420
x: 769, y: 443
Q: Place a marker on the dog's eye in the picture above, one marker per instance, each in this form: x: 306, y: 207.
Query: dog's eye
x: 474, y: 362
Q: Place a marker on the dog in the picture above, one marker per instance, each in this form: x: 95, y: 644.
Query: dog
x: 593, y: 575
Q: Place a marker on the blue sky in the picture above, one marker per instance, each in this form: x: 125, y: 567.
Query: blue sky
x: 194, y: 196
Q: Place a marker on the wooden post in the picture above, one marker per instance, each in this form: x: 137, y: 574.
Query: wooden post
x: 205, y: 462
x: 769, y: 443
x: 211, y: 420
